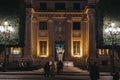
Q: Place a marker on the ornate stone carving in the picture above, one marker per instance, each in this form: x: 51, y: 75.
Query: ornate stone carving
x: 34, y: 19
x: 76, y: 34
x: 60, y: 15
x: 60, y: 27
x: 43, y: 34
x: 28, y: 13
x: 84, y: 17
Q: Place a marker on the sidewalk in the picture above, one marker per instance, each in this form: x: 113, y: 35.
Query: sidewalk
x: 77, y: 71
x: 67, y: 72
x: 67, y: 69
x: 73, y: 70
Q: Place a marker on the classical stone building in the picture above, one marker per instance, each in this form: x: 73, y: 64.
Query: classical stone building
x: 60, y: 30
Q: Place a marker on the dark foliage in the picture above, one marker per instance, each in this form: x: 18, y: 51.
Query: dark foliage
x: 105, y: 8
x: 17, y: 8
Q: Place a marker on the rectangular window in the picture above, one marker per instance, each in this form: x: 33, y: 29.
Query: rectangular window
x: 76, y: 25
x: 43, y: 48
x: 43, y: 6
x: 42, y: 25
x: 76, y: 6
x: 59, y: 6
x: 76, y: 48
x: 103, y: 51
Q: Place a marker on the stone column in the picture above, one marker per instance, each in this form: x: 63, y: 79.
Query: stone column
x: 51, y: 38
x: 34, y: 32
x: 27, y: 49
x: 91, y: 34
x: 69, y: 38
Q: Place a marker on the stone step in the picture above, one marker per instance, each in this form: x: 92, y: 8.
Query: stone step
x: 30, y: 75
x: 66, y: 64
x: 41, y: 77
x: 38, y: 76
x: 57, y: 77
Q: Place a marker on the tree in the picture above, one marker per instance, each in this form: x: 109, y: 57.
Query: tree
x: 14, y: 11
x: 105, y: 10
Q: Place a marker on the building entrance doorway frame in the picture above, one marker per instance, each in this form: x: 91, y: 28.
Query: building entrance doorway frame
x: 59, y: 45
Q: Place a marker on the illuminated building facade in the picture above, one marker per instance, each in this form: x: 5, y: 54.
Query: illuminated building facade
x: 65, y: 24
x: 58, y: 30
x: 64, y: 30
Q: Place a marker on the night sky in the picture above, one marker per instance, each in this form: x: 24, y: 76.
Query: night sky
x: 111, y: 7
x: 9, y: 5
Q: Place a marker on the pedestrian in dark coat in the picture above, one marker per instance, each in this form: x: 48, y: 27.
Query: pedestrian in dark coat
x: 47, y: 69
x: 59, y: 66
x: 94, y: 73
x: 52, y: 68
x: 116, y: 76
x: 97, y: 71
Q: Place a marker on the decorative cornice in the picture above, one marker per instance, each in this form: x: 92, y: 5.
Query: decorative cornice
x: 60, y: 15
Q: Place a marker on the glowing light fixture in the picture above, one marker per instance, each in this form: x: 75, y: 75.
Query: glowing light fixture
x: 112, y: 31
x: 5, y: 29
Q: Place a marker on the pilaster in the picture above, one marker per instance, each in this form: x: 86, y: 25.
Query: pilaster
x: 91, y: 34
x: 51, y: 37
x: 28, y: 48
x: 69, y: 39
x: 34, y: 32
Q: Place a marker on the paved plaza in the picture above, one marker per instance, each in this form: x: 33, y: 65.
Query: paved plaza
x: 69, y: 73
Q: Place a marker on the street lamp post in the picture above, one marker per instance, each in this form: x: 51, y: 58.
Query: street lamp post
x: 5, y: 29
x: 112, y: 33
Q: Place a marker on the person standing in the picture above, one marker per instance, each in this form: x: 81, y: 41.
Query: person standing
x: 97, y: 71
x: 116, y: 76
x: 47, y: 69
x: 59, y: 66
x: 52, y: 68
x: 94, y: 73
